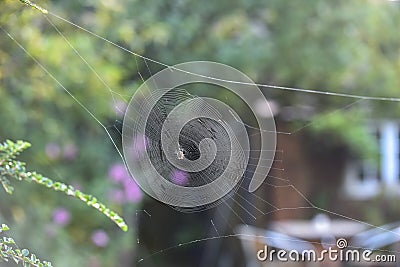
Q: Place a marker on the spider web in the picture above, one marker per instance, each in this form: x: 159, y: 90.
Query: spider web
x: 241, y: 204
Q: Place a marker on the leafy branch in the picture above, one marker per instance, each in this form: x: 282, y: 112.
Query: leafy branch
x: 12, y: 168
x: 35, y: 6
x: 10, y: 250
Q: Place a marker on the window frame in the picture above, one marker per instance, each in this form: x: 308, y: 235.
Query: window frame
x: 384, y: 179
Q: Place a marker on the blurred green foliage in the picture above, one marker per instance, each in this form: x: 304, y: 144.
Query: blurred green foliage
x: 341, y: 46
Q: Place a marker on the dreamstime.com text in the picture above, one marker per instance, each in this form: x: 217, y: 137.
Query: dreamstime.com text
x: 339, y: 253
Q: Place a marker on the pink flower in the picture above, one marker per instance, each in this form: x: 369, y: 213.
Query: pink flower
x: 61, y: 216
x: 52, y: 151
x: 132, y: 191
x: 179, y: 177
x: 118, y: 173
x: 70, y: 151
x: 100, y: 238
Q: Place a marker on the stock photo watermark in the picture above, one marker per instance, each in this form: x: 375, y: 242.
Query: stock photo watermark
x: 340, y: 252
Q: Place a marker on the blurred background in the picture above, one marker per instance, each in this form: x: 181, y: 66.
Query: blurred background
x: 343, y: 155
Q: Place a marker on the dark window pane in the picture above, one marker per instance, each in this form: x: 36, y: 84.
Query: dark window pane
x: 361, y: 173
x: 378, y: 134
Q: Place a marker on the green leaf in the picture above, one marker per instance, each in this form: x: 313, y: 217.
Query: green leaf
x: 10, y: 250
x: 25, y: 252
